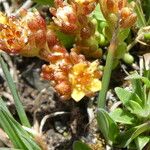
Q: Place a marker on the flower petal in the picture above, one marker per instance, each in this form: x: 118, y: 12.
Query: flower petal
x: 95, y: 85
x: 3, y: 19
x: 77, y: 95
x: 78, y: 68
x: 93, y: 66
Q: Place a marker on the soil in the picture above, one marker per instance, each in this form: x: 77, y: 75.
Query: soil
x: 68, y: 121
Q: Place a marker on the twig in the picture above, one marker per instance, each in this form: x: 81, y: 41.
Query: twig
x: 115, y: 105
x: 141, y: 63
x: 14, y: 5
x: 37, y: 103
x: 4, y: 138
x: 7, y: 95
x: 124, y: 69
x: 6, y: 7
x: 49, y: 116
x: 26, y: 5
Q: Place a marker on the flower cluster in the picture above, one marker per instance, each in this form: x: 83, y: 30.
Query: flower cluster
x: 72, y: 17
x: 70, y: 73
x: 72, y: 76
x: 118, y: 8
x: 24, y: 35
x: 65, y: 17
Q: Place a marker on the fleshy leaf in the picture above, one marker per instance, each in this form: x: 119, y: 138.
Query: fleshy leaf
x: 107, y: 125
x: 125, y: 96
x: 122, y: 116
x: 98, y: 14
x: 45, y: 2
x: 127, y: 137
x: 141, y: 141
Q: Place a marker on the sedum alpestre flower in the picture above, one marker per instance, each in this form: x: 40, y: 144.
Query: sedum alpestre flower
x: 65, y: 16
x: 70, y: 16
x: 25, y: 35
x: 84, y: 79
x: 72, y: 76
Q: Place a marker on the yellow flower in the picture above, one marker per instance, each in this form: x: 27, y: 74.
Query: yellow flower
x: 84, y: 79
x: 3, y: 18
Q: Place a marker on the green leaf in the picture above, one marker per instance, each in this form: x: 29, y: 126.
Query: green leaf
x: 148, y: 99
x: 67, y: 40
x: 134, y: 107
x: 146, y: 73
x: 138, y: 85
x: 146, y: 8
x: 121, y: 49
x: 135, y: 76
x: 123, y: 116
x: 141, y: 141
x: 6, y: 125
x: 107, y: 125
x: 45, y: 2
x: 128, y: 136
x: 78, y: 145
x: 141, y: 22
x: 123, y: 34
x: 138, y: 89
x: 18, y: 104
x: 2, y: 105
x: 125, y: 96
x: 30, y: 143
x: 98, y: 14
x: 15, y: 131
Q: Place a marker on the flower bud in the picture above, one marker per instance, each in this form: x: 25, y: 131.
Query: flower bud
x: 117, y: 9
x: 129, y: 21
x: 65, y: 18
x: 51, y: 38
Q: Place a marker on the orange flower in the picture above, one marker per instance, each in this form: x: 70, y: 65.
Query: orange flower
x: 65, y: 17
x: 85, y: 7
x: 73, y: 76
x: 13, y: 34
x: 25, y: 35
x: 119, y: 9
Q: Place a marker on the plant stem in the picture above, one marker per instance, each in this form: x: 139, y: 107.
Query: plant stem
x: 107, y: 70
